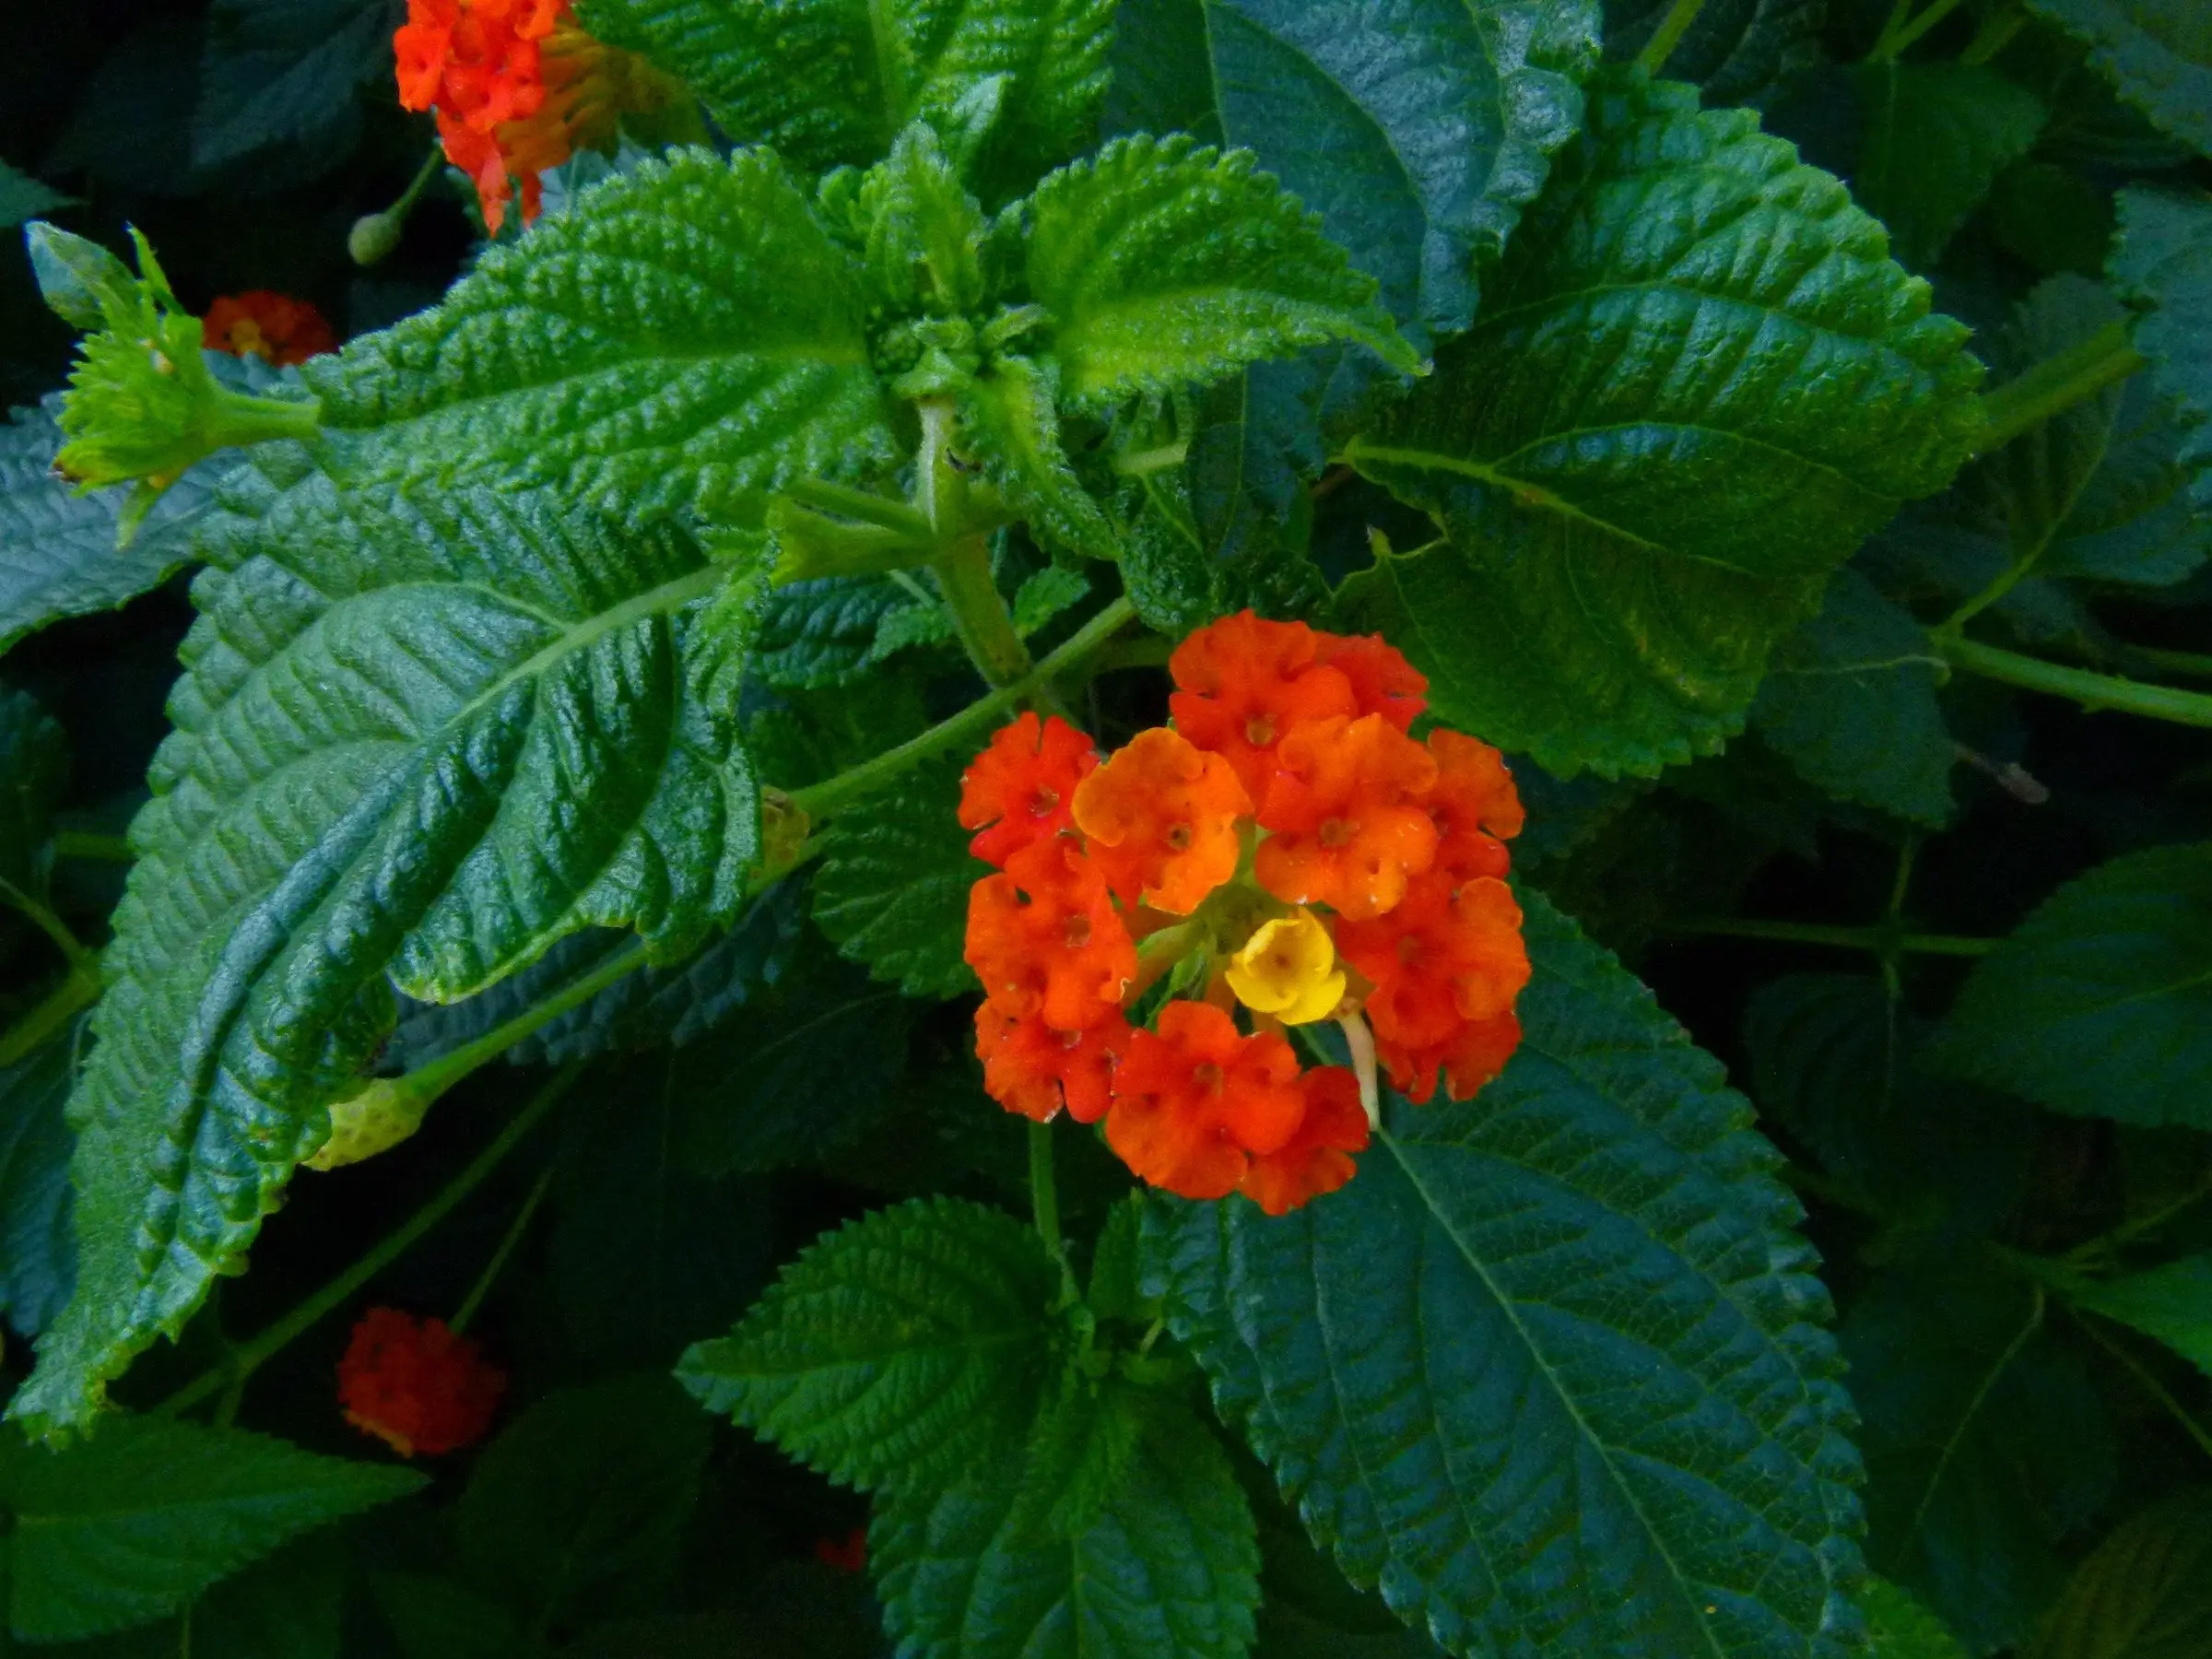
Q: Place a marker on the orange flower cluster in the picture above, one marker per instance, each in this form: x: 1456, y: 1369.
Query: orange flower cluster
x: 517, y: 88
x: 416, y: 1385
x: 1285, y: 847
x: 264, y: 323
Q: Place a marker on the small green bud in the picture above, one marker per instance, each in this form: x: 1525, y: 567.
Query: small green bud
x: 377, y: 1119
x: 74, y: 274
x: 374, y: 237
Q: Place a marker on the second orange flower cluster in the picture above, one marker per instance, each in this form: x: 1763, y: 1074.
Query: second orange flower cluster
x: 1284, y: 849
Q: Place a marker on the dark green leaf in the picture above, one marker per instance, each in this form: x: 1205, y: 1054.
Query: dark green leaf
x: 1418, y: 133
x: 132, y: 1524
x: 2164, y: 259
x: 579, y: 1504
x: 435, y: 1619
x: 1985, y: 1445
x: 892, y: 891
x: 38, y: 1255
x: 825, y: 632
x: 1547, y: 1363
x: 23, y: 197
x: 1739, y: 51
x: 1900, y: 1628
x: 2157, y: 54
x: 1938, y: 136
x: 1697, y: 385
x: 2100, y: 1003
x: 2146, y: 1594
x: 1169, y: 1569
x: 1851, y: 700
x: 34, y: 768
x: 1164, y: 267
x: 2172, y: 1303
x: 687, y: 335
x: 419, y: 741
x: 899, y: 1350
x: 283, y: 73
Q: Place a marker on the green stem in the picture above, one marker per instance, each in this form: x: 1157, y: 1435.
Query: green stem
x: 2093, y: 692
x: 1995, y: 33
x: 2188, y: 662
x: 2151, y: 1386
x: 43, y: 917
x: 443, y: 1072
x: 250, y: 1356
x: 85, y: 843
x: 1668, y: 35
x: 978, y: 614
x: 1895, y: 39
x: 833, y: 794
x: 240, y: 418
x: 515, y: 1229
x: 1876, y: 940
x: 1044, y: 1193
x: 2127, y: 1232
x: 2057, y: 384
x: 63, y: 1003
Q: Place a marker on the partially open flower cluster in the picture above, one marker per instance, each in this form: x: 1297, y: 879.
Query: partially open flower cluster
x: 416, y: 1385
x: 262, y: 322
x: 1284, y: 850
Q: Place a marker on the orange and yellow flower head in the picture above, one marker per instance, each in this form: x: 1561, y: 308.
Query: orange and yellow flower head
x: 1165, y: 918
x: 260, y: 322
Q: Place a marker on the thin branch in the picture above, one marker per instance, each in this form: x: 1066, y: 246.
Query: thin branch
x: 2057, y: 384
x: 1668, y: 35
x: 2093, y: 692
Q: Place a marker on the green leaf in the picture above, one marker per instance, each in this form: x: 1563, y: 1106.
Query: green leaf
x: 687, y: 335
x: 23, y: 197
x: 1168, y: 1570
x: 1697, y: 385
x: 38, y: 1255
x: 1938, y: 136
x: 1547, y: 1363
x: 892, y: 891
x: 2144, y: 1594
x: 827, y: 82
x: 1162, y: 266
x: 1850, y: 699
x: 2100, y: 1003
x: 1900, y: 1628
x: 2157, y: 54
x: 1985, y: 1445
x: 1079, y: 1456
x: 825, y: 632
x: 2172, y: 1303
x: 284, y: 73
x: 1009, y: 415
x: 420, y: 740
x: 132, y: 1524
x: 435, y: 1619
x: 1738, y: 51
x: 76, y: 277
x: 580, y: 1504
x: 34, y: 768
x: 1419, y: 132
x: 2164, y: 259
x: 897, y: 1351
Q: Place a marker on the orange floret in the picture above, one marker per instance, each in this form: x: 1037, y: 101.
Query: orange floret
x: 416, y: 1385
x: 1045, y: 939
x: 1244, y: 684
x: 1160, y: 818
x: 1382, y: 681
x: 260, y: 322
x: 1034, y: 1069
x: 1195, y: 1100
x: 1022, y: 788
x: 1318, y: 1158
x: 1348, y: 825
x: 1470, y: 1056
x: 1446, y: 953
x: 1475, y: 805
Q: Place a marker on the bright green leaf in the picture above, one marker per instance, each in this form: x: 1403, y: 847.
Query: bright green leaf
x: 1737, y: 52
x: 2157, y: 54
x: 1697, y: 385
x: 1850, y: 699
x: 1009, y: 417
x: 1900, y: 1628
x: 132, y: 1524
x: 421, y: 739
x: 897, y: 1351
x: 2100, y: 1003
x: 893, y: 888
x: 23, y: 197
x: 1162, y: 266
x: 2164, y: 259
x: 825, y: 632
x: 1548, y: 1363
x: 1938, y: 136
x: 2144, y: 1594
x: 2172, y: 1303
x: 687, y: 335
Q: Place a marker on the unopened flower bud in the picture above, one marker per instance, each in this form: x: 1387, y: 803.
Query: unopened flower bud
x: 374, y: 238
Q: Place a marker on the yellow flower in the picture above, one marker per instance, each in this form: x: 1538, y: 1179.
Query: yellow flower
x: 1289, y: 969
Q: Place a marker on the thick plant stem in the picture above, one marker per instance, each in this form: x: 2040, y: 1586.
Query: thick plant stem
x: 978, y: 614
x: 2093, y: 692
x: 833, y: 794
x: 1878, y: 941
x: 2057, y: 384
x: 1668, y: 35
x: 249, y: 1356
x: 1044, y: 1193
x: 88, y: 844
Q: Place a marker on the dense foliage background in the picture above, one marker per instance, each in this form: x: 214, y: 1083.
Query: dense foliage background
x: 1904, y: 813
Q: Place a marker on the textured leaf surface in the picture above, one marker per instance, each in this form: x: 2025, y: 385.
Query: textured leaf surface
x: 687, y: 336
x: 892, y: 891
x: 1164, y: 266
x: 417, y: 740
x: 2172, y: 1303
x: 1169, y: 1569
x: 1738, y: 51
x: 2100, y: 1003
x: 1938, y: 136
x: 2144, y: 1594
x: 279, y: 73
x: 2157, y: 54
x: 58, y: 556
x: 2164, y: 259
x: 38, y: 1256
x: 131, y: 1525
x: 1697, y: 384
x: 1851, y: 700
x: 826, y: 633
x: 1418, y: 132
x: 899, y: 1350
x: 1548, y: 1363
x: 1955, y: 1380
